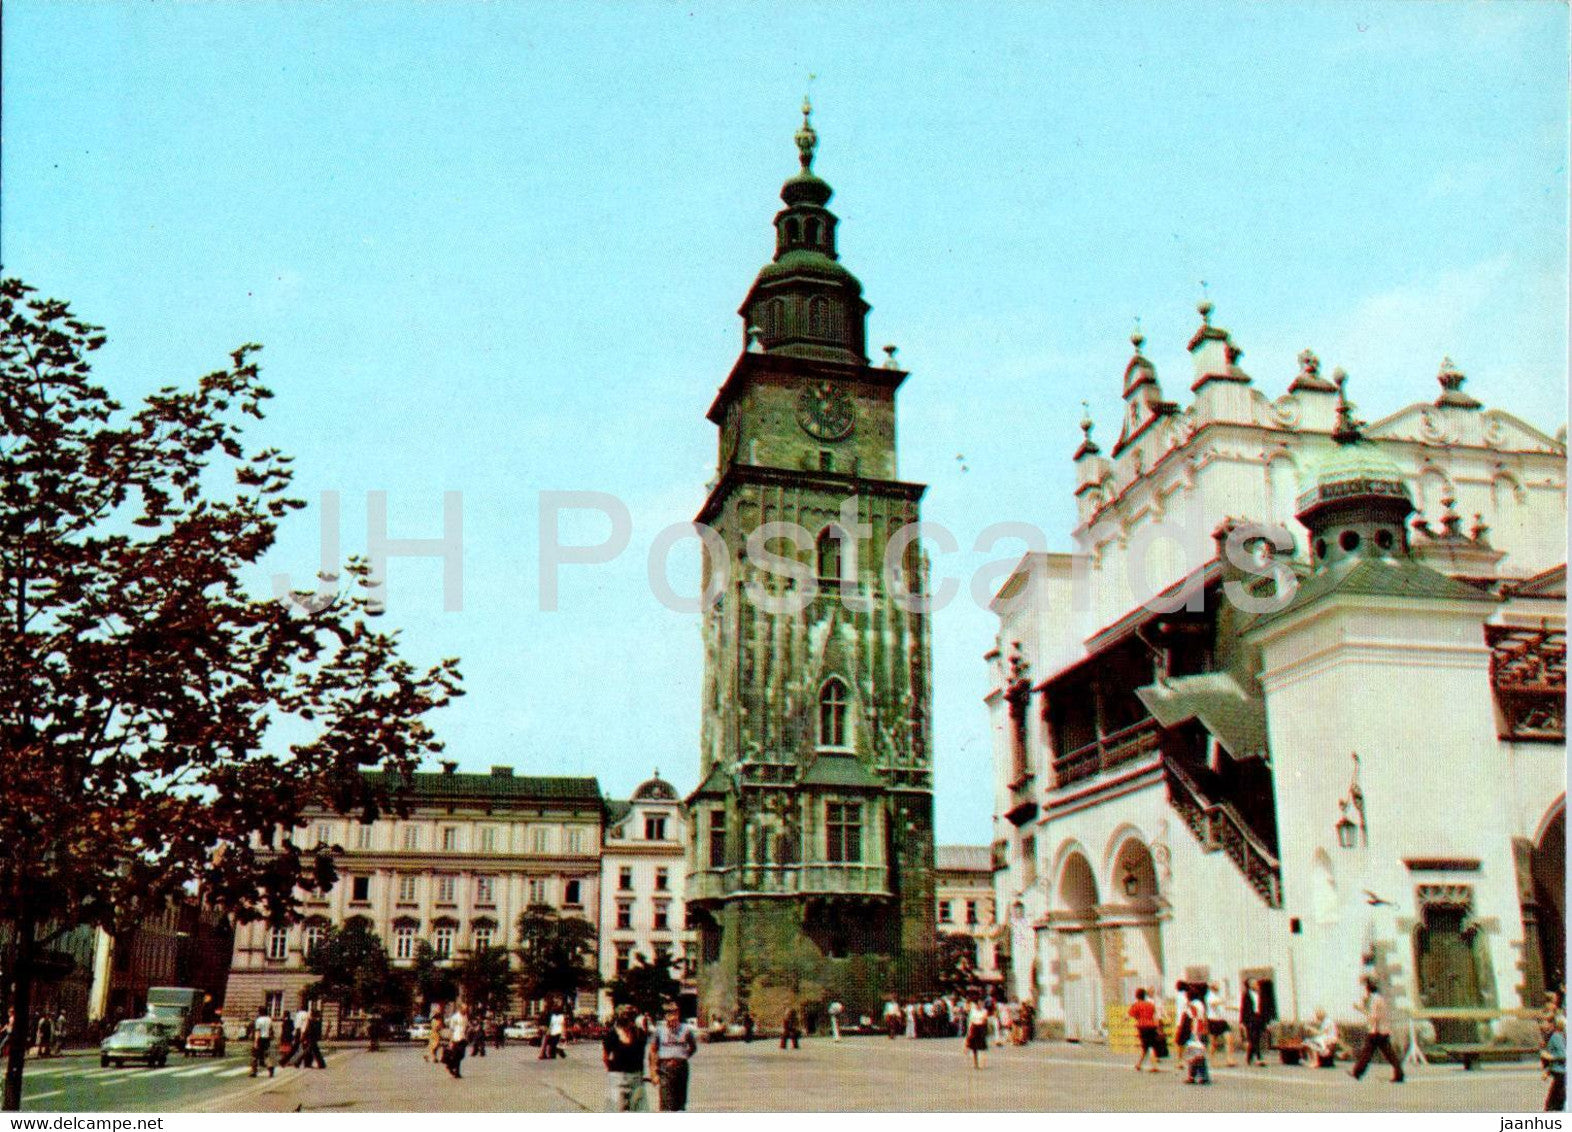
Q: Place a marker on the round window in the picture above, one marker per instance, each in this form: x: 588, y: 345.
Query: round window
x: 1349, y: 541
x: 1384, y: 539
x: 1320, y: 548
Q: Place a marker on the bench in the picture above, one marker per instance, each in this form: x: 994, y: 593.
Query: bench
x: 1468, y: 1054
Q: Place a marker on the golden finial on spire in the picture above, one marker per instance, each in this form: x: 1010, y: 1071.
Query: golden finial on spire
x: 807, y: 140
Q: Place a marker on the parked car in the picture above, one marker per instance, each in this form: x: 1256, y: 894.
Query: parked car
x: 420, y: 1029
x: 522, y: 1031
x: 138, y: 1039
x: 205, y: 1038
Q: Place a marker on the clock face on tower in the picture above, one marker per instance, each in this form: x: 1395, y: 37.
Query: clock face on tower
x: 825, y: 410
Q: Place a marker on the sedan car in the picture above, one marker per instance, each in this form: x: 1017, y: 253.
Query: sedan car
x: 137, y: 1039
x: 522, y: 1031
x: 420, y: 1029
x: 205, y: 1038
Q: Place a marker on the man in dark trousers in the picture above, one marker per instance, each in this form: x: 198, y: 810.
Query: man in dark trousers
x: 311, y: 1043
x: 1378, y: 1036
x: 1256, y: 1013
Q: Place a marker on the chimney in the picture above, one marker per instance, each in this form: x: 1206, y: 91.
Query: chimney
x: 501, y: 772
x: 449, y: 766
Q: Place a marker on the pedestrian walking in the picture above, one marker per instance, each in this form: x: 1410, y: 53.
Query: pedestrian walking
x: 311, y: 1042
x: 262, y: 1044
x: 458, y: 1040
x: 747, y: 1026
x: 434, y: 1047
x: 673, y: 1046
x: 556, y: 1032
x: 623, y: 1051
x: 1144, y: 1013
x: 1255, y: 1015
x: 60, y: 1032
x: 836, y: 1009
x: 477, y: 1039
x: 791, y: 1030
x: 976, y: 1032
x: 1378, y: 1036
x: 892, y: 1019
x: 1220, y: 1033
x: 46, y: 1034
x: 1554, y: 1058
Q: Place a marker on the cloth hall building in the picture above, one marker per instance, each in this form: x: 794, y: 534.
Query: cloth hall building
x: 1293, y: 709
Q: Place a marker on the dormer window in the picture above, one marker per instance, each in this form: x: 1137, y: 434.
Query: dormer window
x: 832, y: 713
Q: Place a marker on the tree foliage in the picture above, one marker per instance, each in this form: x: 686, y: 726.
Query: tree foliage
x: 352, y: 969
x: 648, y: 986
x: 434, y: 979
x: 486, y: 979
x: 556, y: 954
x: 157, y: 721
x: 956, y: 962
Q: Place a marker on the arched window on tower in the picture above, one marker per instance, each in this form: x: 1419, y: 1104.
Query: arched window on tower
x: 791, y: 232
x: 818, y: 316
x: 810, y: 231
x: 827, y: 548
x: 832, y: 713
x: 776, y: 324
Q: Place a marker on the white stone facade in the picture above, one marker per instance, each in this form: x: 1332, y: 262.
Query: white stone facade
x: 1116, y: 875
x: 643, y: 880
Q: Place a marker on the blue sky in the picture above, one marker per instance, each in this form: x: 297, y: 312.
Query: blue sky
x: 498, y: 249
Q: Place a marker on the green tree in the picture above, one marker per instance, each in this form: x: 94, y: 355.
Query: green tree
x: 433, y: 978
x: 956, y: 962
x: 556, y: 954
x: 648, y: 986
x: 352, y: 969
x: 158, y: 723
x: 486, y: 978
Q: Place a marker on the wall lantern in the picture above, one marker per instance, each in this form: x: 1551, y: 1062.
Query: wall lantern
x: 1351, y: 833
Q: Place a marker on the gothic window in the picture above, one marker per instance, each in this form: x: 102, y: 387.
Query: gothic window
x: 827, y: 548
x: 843, y: 830
x: 818, y: 316
x: 832, y: 714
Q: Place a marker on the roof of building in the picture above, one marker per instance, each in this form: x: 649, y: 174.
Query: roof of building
x: 835, y: 769
x: 617, y: 809
x: 453, y: 787
x: 1214, y: 699
x: 963, y: 858
x: 655, y: 789
x: 716, y: 784
x: 1365, y: 576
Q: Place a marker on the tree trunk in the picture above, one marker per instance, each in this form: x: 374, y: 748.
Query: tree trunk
x: 21, y: 1003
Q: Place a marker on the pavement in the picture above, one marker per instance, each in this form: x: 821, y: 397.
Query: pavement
x: 863, y: 1074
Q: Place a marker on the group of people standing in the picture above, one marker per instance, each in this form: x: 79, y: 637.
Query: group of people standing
x: 636, y: 1053
x: 47, y: 1038
x: 1202, y: 1029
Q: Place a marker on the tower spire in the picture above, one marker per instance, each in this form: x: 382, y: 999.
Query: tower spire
x: 807, y: 140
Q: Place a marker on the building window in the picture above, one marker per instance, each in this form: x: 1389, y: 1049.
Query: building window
x: 624, y: 957
x: 406, y: 888
x: 447, y: 887
x: 625, y: 879
x: 827, y: 547
x: 450, y: 839
x: 311, y: 938
x: 1029, y: 861
x: 485, y: 891
x: 273, y: 1003
x: 663, y: 955
x: 277, y: 943
x: 944, y: 912
x: 971, y: 913
x: 360, y: 889
x: 843, y: 829
x: 363, y: 837
x: 540, y: 840
x: 488, y: 839
x: 403, y: 942
x: 827, y: 464
x: 537, y: 890
x: 483, y: 936
x: 662, y: 917
x: 662, y: 879
x: 575, y: 841
x: 624, y: 914
x: 442, y: 941
x: 655, y: 829
x: 411, y: 838
x: 571, y: 894
x: 324, y: 834
x: 832, y: 714
x: 717, y: 838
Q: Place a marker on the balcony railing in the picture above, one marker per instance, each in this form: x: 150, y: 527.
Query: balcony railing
x: 1106, y: 753
x: 869, y: 880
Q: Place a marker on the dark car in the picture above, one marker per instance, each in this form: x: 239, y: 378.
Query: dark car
x: 205, y: 1038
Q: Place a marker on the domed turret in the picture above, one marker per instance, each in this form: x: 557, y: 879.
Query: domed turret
x: 655, y: 789
x: 804, y: 303
x: 1358, y: 500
